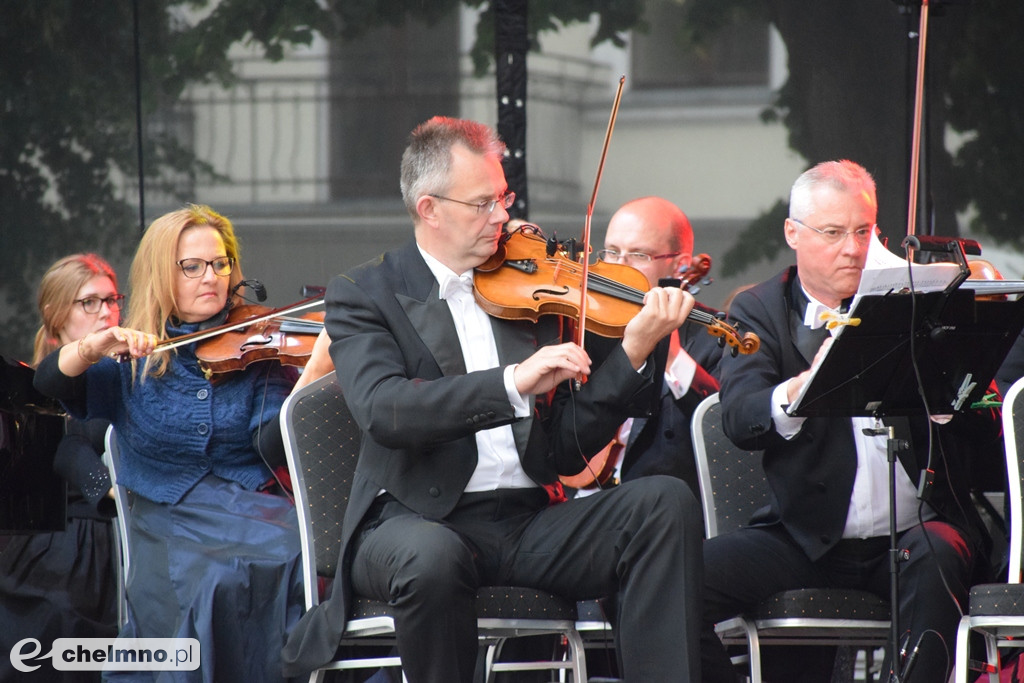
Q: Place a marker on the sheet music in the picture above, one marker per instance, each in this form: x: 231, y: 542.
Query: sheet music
x: 886, y: 273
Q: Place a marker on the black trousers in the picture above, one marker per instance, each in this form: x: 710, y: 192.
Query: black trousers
x: 640, y: 540
x: 744, y: 567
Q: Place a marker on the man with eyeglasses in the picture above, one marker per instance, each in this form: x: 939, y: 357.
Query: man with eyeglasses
x: 654, y: 236
x: 827, y: 524
x: 462, y: 444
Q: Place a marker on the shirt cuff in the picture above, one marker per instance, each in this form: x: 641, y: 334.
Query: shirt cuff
x: 679, y: 375
x: 519, y: 404
x: 787, y: 426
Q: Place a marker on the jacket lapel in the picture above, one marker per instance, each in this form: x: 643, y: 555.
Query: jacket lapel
x: 428, y: 313
x: 806, y: 340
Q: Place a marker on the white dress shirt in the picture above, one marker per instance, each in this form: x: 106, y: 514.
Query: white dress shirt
x: 868, y: 515
x: 498, y: 464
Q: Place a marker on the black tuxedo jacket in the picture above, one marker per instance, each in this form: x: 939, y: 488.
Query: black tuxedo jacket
x: 660, y: 442
x: 811, y: 476
x: 400, y: 367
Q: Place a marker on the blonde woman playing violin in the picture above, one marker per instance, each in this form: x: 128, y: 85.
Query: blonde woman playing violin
x: 214, y: 545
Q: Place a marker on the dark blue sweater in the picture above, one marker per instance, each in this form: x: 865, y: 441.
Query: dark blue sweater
x: 175, y: 429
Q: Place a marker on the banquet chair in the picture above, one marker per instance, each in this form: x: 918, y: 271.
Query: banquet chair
x: 120, y: 522
x: 322, y: 447
x: 996, y: 610
x: 733, y: 487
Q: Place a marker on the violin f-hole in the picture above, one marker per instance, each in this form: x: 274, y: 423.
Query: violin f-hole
x: 562, y: 291
x: 248, y: 343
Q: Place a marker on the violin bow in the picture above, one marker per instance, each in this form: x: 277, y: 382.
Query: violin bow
x: 213, y: 332
x: 915, y: 142
x: 585, y: 270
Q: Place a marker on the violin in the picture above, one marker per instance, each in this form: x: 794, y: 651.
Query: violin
x: 696, y: 274
x: 288, y: 339
x: 528, y: 277
x: 254, y: 333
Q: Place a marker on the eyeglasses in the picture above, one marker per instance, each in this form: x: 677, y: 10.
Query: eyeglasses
x: 614, y: 256
x: 196, y: 267
x: 837, y: 235
x: 93, y: 304
x: 485, y: 207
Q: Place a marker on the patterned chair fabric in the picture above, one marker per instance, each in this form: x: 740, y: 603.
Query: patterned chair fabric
x: 732, y: 488
x: 996, y: 610
x: 322, y: 447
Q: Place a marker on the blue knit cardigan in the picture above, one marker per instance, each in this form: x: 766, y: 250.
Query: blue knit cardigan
x: 174, y: 430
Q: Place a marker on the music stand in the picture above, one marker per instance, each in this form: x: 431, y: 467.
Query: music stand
x: 958, y: 343
x: 33, y: 498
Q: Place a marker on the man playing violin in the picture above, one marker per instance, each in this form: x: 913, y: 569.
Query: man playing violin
x: 654, y: 236
x: 457, y: 484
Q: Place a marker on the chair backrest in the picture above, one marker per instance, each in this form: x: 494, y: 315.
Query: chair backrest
x: 1013, y: 437
x: 732, y: 481
x: 321, y: 442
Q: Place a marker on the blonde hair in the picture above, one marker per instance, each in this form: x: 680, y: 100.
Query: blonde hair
x: 154, y: 270
x: 57, y: 291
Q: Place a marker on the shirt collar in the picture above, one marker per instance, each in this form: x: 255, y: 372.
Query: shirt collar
x: 443, y: 274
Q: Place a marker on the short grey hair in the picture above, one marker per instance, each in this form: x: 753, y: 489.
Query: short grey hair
x: 427, y: 161
x: 843, y: 175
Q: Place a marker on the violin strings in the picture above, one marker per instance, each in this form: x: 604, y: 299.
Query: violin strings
x: 606, y: 284
x: 612, y: 287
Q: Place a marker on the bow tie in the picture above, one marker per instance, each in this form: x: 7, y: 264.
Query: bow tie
x: 817, y: 315
x: 454, y: 285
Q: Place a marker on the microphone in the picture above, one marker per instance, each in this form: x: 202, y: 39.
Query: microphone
x: 256, y: 286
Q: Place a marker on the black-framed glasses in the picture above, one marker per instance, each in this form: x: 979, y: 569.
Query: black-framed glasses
x: 196, y: 267
x: 485, y: 207
x: 93, y: 304
x: 616, y: 256
x: 834, y: 235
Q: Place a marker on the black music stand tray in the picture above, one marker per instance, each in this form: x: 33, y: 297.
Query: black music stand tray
x: 959, y: 344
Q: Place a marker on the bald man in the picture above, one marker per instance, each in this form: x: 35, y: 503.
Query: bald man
x: 654, y: 236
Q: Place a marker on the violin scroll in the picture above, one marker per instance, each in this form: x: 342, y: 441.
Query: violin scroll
x: 727, y: 334
x: 696, y: 274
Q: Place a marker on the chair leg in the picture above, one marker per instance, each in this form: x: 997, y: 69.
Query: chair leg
x: 578, y: 656
x: 491, y: 655
x: 963, y: 637
x: 754, y: 648
x: 992, y: 652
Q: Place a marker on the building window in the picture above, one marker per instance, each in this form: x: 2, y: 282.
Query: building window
x: 735, y: 56
x: 382, y: 85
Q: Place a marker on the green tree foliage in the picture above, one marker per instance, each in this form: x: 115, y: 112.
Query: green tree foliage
x: 852, y: 73
x: 67, y: 106
x: 67, y: 121
x: 986, y: 106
